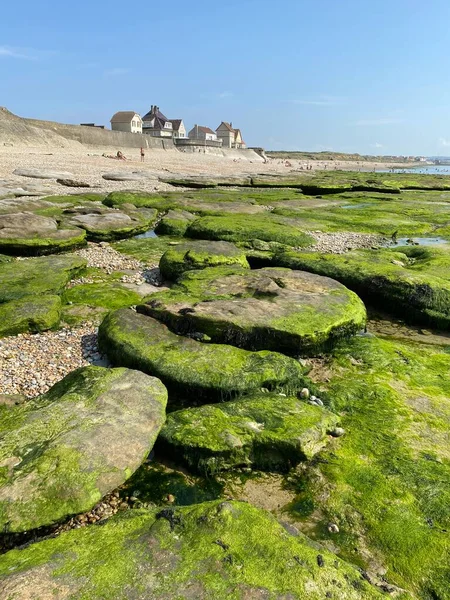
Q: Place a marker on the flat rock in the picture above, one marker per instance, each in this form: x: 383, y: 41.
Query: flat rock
x: 127, y: 176
x: 103, y: 224
x: 26, y: 232
x: 73, y: 183
x: 201, y: 254
x: 37, y: 276
x: 30, y: 314
x: 266, y: 431
x: 175, y: 222
x: 211, y: 550
x: 43, y: 174
x: 272, y: 309
x: 62, y: 452
x: 188, y: 366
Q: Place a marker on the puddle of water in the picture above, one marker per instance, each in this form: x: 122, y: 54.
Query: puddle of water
x: 146, y: 234
x: 421, y: 241
x: 360, y: 205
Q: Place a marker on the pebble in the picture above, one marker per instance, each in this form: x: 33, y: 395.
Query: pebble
x: 337, y: 432
x: 30, y: 364
x: 333, y: 528
x: 103, y: 256
x: 304, y: 393
x: 342, y: 242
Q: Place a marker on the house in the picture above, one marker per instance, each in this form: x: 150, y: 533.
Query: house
x: 156, y: 124
x: 126, y: 120
x: 204, y: 134
x: 231, y: 138
x: 178, y: 128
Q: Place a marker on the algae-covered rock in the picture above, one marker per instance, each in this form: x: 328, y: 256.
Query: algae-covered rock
x: 210, y: 550
x: 188, y: 366
x: 240, y: 228
x: 265, y: 431
x: 272, y: 308
x: 32, y: 314
x: 411, y: 282
x: 36, y: 276
x: 62, y: 452
x: 175, y: 222
x: 27, y: 233
x: 105, y: 294
x: 199, y: 255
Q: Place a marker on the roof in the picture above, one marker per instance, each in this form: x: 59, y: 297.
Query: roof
x: 227, y: 125
x: 176, y: 124
x: 124, y: 116
x: 158, y: 114
x: 204, y: 129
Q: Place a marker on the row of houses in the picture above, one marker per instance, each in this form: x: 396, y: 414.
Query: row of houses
x: 156, y: 124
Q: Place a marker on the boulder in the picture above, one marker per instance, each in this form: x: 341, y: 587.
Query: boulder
x: 62, y: 452
x: 199, y: 255
x: 73, y: 183
x: 30, y: 314
x: 188, y: 366
x: 43, y: 174
x: 212, y: 550
x: 263, y: 309
x: 37, y: 276
x: 265, y: 431
x: 175, y: 222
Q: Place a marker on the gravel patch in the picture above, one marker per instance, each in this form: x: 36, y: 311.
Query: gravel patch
x: 30, y: 364
x: 103, y: 256
x: 340, y: 243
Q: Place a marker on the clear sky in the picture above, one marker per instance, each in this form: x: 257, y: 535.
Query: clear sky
x: 344, y: 75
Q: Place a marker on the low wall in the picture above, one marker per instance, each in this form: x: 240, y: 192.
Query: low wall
x: 181, y: 143
x: 94, y: 136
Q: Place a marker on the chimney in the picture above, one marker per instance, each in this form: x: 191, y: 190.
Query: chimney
x: 231, y: 125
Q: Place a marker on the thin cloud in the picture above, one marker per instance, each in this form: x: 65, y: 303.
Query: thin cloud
x: 21, y: 53
x: 444, y: 142
x: 377, y: 145
x: 225, y: 95
x: 377, y: 122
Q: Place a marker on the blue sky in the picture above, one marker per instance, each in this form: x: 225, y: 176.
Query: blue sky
x: 344, y: 75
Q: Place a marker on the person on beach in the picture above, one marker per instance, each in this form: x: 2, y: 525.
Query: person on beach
x: 142, y: 154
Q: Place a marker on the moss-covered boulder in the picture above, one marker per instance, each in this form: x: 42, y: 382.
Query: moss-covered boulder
x: 62, y: 452
x: 32, y: 314
x: 265, y: 431
x: 271, y: 309
x: 36, y: 276
x: 211, y: 550
x: 411, y: 282
x: 240, y: 228
x: 104, y: 294
x: 175, y: 222
x: 199, y: 255
x: 139, y: 200
x: 31, y: 234
x: 191, y: 367
x: 103, y: 224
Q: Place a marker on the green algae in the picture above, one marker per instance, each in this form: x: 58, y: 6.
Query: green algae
x: 264, y: 431
x: 386, y: 482
x: 175, y: 222
x: 215, y: 549
x: 36, y: 276
x: 148, y: 250
x: 190, y: 367
x: 238, y: 228
x: 60, y: 240
x: 199, y: 255
x: 30, y: 315
x: 411, y: 282
x: 107, y: 294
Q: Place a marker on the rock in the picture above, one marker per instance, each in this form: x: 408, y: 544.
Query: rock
x: 63, y: 451
x: 337, y: 432
x: 190, y: 367
x: 263, y: 431
x: 27, y: 233
x: 333, y: 528
x: 73, y: 183
x: 43, y: 174
x: 127, y: 176
x: 108, y: 295
x: 11, y: 399
x: 199, y: 255
x: 271, y: 309
x: 103, y: 224
x: 206, y: 181
x: 30, y: 314
x: 239, y: 228
x: 304, y: 393
x: 173, y: 553
x: 37, y: 276
x: 175, y: 222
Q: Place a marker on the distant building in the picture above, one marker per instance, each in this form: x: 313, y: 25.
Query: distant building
x: 204, y: 134
x: 156, y: 124
x: 92, y: 125
x: 126, y: 120
x: 231, y: 138
x: 178, y: 128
